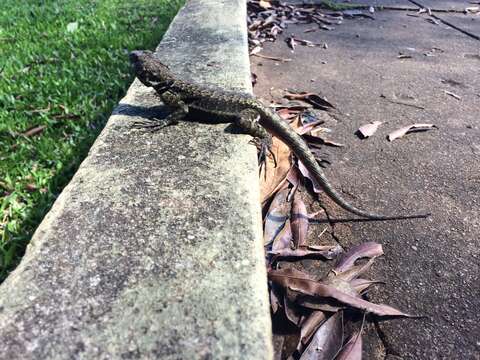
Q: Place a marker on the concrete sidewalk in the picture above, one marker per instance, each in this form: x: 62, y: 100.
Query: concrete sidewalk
x: 154, y: 249
x: 431, y: 266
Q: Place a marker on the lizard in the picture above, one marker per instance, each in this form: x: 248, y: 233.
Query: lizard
x: 242, y: 109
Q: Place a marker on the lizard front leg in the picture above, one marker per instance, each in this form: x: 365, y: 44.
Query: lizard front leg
x: 247, y: 120
x: 172, y: 100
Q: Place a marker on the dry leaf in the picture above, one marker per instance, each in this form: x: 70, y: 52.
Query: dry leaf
x: 327, y: 341
x: 310, y: 126
x: 360, y: 285
x: 293, y: 177
x: 291, y: 42
x: 300, y: 282
x: 352, y: 350
x: 327, y: 252
x: 291, y: 311
x: 265, y: 4
x: 334, y: 278
x: 304, y: 171
x: 309, y: 327
x: 299, y: 222
x: 320, y: 140
x: 365, y: 250
x: 274, y: 301
x: 274, y: 173
x: 31, y: 187
x: 34, y: 131
x: 283, y: 240
x: 316, y: 100
x: 287, y: 113
x: 472, y: 9
x: 368, y: 130
x: 409, y: 129
x: 276, y: 216
x: 452, y: 94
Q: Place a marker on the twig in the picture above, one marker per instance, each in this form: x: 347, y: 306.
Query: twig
x: 404, y: 103
x: 407, y: 8
x: 271, y: 57
x: 390, y: 7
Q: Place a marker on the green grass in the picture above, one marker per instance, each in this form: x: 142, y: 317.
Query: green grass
x: 63, y: 67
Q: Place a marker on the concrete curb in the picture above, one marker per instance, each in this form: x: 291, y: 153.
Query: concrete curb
x: 154, y: 249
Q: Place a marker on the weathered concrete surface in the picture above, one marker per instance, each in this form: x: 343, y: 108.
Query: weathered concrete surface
x: 154, y: 248
x: 431, y: 266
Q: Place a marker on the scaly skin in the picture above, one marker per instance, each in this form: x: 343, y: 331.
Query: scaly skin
x: 242, y: 109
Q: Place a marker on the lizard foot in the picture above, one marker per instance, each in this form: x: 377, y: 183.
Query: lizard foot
x: 264, y: 146
x: 153, y: 125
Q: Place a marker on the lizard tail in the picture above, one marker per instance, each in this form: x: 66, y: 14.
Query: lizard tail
x: 274, y: 124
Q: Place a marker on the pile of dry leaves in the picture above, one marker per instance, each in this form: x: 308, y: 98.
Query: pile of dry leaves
x: 267, y: 19
x: 317, y: 308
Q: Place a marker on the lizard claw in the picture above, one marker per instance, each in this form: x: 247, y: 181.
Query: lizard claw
x: 153, y: 125
x: 265, y: 149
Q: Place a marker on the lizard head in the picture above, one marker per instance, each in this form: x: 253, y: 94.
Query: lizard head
x: 150, y: 71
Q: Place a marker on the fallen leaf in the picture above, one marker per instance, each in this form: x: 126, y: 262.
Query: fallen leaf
x: 308, y: 327
x: 304, y: 171
x: 360, y: 285
x: 287, y: 113
x: 276, y: 216
x: 274, y: 173
x: 293, y: 177
x: 352, y: 350
x: 31, y: 187
x: 265, y: 4
x: 327, y: 341
x: 472, y: 9
x: 284, y: 239
x: 256, y: 50
x: 309, y: 126
x: 274, y: 301
x: 409, y: 129
x: 291, y: 311
x: 368, y: 130
x: 299, y: 222
x: 316, y: 100
x: 34, y: 131
x: 327, y: 252
x: 311, y: 139
x: 291, y: 42
x: 300, y: 282
x: 365, y: 250
x: 337, y: 278
x: 452, y: 94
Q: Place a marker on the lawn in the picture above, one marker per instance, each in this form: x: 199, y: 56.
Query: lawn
x: 63, y: 67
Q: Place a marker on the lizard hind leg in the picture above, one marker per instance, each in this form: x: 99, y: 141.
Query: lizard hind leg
x: 247, y: 120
